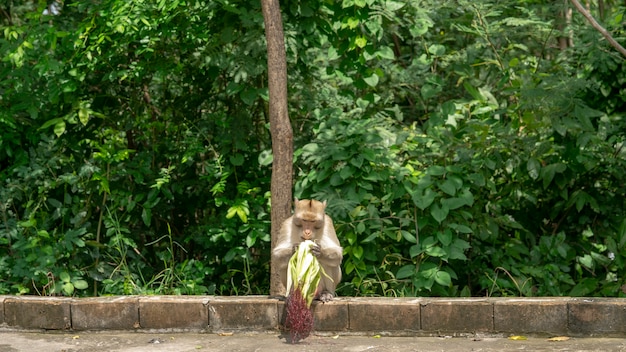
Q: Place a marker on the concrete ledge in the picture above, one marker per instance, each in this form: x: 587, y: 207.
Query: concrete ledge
x: 243, y: 313
x: 105, y: 313
x: 177, y: 313
x: 388, y: 316
x: 454, y: 316
x: 401, y: 315
x: 597, y: 316
x: 531, y: 315
x: 37, y: 313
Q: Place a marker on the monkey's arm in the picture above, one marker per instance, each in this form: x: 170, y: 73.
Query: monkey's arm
x: 332, y: 254
x: 329, y: 250
x: 283, y: 252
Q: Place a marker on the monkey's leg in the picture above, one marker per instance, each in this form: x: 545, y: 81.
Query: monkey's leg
x: 326, y: 289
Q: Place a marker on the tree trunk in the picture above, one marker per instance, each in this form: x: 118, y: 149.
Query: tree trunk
x: 280, y: 128
x: 564, y: 21
x: 601, y: 9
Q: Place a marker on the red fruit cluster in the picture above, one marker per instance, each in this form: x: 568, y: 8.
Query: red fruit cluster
x: 299, y: 316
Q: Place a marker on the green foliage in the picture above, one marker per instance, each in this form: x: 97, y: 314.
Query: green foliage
x: 123, y: 167
x: 462, y: 151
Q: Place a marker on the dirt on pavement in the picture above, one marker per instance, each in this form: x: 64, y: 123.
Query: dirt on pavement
x: 186, y: 342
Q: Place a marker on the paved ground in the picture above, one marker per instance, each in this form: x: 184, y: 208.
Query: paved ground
x: 187, y: 342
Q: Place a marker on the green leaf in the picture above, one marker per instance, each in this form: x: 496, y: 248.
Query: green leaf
x: 360, y: 41
x: 445, y: 237
x: 428, y: 270
x: 350, y: 23
x: 386, y: 52
x: 28, y: 223
x: 59, y: 128
x: 80, y: 284
x: 146, y: 216
x: 436, y: 170
x: 533, y: 167
x: 250, y: 241
x: 435, y: 251
x: 55, y: 203
x: 349, y: 267
x: 429, y: 241
x: 454, y: 203
x: 581, y: 198
x: 357, y: 252
x: 64, y: 276
x: 584, y: 114
x: 236, y: 159
x: 248, y: 96
x: 336, y: 180
x: 332, y: 54
x: 586, y: 261
x: 430, y: 90
x: 266, y: 157
x: 439, y: 213
x: 409, y: 237
x: 585, y: 287
x: 460, y: 228
x: 456, y: 252
x: 405, y: 271
x: 346, y: 172
x: 83, y: 116
x: 50, y: 123
x: 548, y: 172
x: 448, y: 186
x: 443, y: 278
x: 357, y: 161
x: 360, y: 227
x: 242, y: 213
x: 467, y: 196
x: 421, y: 27
x: 372, y: 80
x: 473, y: 91
x: 423, y: 199
x: 68, y: 288
x: 393, y: 6
x: 437, y: 49
x: 415, y: 250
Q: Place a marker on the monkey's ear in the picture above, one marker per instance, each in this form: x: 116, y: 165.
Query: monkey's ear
x: 324, y: 204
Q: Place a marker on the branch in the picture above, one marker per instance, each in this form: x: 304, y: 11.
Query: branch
x: 597, y: 26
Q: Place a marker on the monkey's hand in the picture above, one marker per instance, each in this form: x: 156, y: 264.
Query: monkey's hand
x: 316, y: 250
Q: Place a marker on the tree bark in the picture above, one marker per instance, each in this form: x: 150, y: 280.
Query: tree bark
x: 566, y: 40
x: 280, y: 129
x: 598, y: 27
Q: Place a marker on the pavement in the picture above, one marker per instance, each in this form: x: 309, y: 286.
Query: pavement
x: 122, y: 341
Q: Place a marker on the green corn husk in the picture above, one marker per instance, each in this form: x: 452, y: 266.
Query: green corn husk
x: 305, y: 271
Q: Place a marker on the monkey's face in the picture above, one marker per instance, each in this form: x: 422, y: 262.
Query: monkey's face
x: 309, y: 218
x: 309, y: 228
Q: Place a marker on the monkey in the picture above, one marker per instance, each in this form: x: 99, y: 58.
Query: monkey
x: 310, y: 222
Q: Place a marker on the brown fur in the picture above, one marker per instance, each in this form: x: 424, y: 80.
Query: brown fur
x: 309, y: 222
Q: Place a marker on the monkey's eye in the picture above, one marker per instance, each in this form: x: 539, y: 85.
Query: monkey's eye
x: 318, y: 224
x: 297, y: 222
